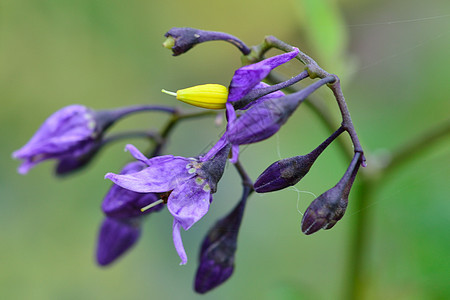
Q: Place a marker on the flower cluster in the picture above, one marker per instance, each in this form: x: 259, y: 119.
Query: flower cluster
x: 255, y: 111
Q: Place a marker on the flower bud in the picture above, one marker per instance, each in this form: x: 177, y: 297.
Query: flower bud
x: 330, y: 207
x: 290, y: 171
x: 182, y: 39
x: 218, y: 250
x: 283, y: 173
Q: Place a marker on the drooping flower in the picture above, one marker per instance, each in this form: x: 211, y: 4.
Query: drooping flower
x: 71, y: 131
x: 72, y: 135
x: 187, y: 182
x: 122, y: 226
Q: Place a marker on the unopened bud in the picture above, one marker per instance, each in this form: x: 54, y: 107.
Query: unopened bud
x: 290, y: 171
x: 327, y: 209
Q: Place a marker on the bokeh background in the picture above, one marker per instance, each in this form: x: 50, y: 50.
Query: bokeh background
x: 393, y: 57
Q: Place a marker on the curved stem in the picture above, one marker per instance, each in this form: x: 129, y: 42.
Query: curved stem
x: 106, y: 118
x: 314, y: 70
x: 319, y: 108
x: 346, y: 119
x: 246, y: 181
x: 405, y: 153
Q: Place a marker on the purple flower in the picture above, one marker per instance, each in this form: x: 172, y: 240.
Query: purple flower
x: 187, y: 182
x: 245, y: 80
x: 71, y: 131
x: 122, y: 226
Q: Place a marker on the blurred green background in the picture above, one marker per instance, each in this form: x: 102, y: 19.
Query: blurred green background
x: 393, y: 57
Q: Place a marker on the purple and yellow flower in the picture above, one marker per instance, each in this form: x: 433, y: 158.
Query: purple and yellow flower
x: 186, y: 185
x: 262, y: 120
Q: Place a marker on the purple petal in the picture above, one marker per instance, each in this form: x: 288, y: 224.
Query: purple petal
x: 276, y: 94
x: 234, y: 154
x: 178, y: 242
x: 189, y: 202
x: 61, y: 131
x: 114, y: 239
x: 163, y: 175
x: 262, y: 121
x: 258, y: 123
x: 136, y: 153
x: 123, y: 203
x: 247, y: 77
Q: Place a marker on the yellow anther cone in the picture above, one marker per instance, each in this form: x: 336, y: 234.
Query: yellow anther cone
x: 211, y: 96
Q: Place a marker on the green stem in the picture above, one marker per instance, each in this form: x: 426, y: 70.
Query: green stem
x: 176, y: 117
x: 369, y: 184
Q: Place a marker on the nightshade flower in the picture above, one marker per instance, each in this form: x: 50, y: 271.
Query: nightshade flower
x: 188, y: 184
x: 73, y: 136
x: 121, y: 228
x: 71, y: 131
x: 246, y: 79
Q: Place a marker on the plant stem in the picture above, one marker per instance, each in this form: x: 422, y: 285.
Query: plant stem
x: 176, y: 117
x: 370, y: 183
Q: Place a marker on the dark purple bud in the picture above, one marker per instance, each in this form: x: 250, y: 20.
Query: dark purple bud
x: 330, y: 207
x: 116, y: 236
x: 264, y: 119
x: 289, y: 171
x: 123, y: 203
x: 283, y: 173
x: 218, y: 250
x: 181, y: 39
